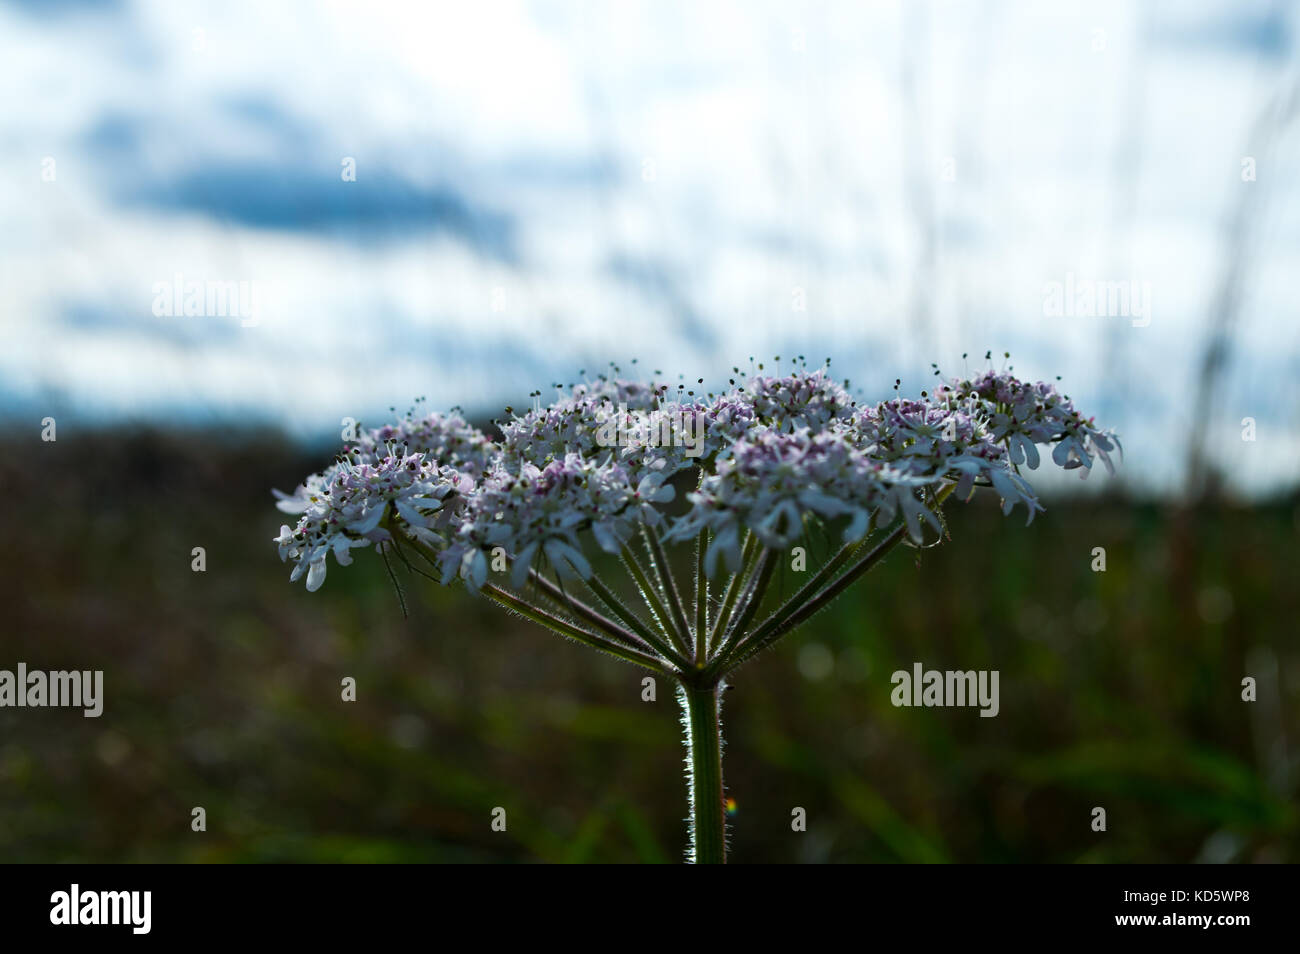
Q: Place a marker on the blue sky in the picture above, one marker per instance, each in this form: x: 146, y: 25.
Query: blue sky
x: 545, y: 187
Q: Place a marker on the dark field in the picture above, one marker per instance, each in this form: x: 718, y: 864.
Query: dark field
x: 1119, y: 689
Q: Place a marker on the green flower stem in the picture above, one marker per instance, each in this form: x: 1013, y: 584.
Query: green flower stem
x: 629, y: 619
x: 581, y: 610
x: 544, y: 618
x: 734, y: 586
x: 701, y: 719
x: 818, y: 602
x: 745, y: 610
x: 800, y: 598
x: 651, y: 597
x: 814, y: 605
x: 820, y: 579
x: 668, y: 587
x: 701, y: 600
x: 565, y: 628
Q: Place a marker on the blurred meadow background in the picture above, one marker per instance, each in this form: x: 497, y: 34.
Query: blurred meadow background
x: 469, y: 202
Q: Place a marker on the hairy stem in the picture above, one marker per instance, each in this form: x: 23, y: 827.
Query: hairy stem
x: 745, y: 609
x: 702, y: 723
x: 651, y: 597
x: 701, y: 600
x: 800, y: 598
x: 630, y: 619
x: 566, y: 628
x: 811, y: 607
x: 668, y: 587
x: 584, y: 612
x: 734, y: 586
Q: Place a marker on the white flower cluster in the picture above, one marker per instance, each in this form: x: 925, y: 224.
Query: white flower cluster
x: 530, y: 510
x: 344, y: 507
x: 769, y: 456
x: 444, y: 438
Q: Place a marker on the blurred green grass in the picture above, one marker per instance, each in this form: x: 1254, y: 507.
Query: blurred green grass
x: 1119, y: 689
